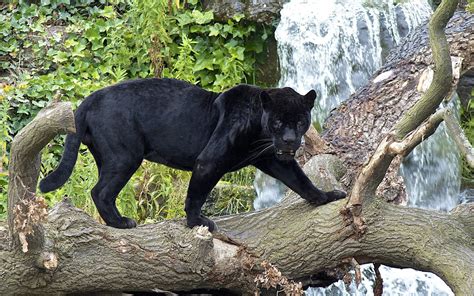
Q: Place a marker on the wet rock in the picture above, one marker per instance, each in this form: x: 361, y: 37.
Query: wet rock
x: 466, y: 83
x: 363, y: 30
x: 402, y: 24
x: 261, y: 11
x: 268, y: 66
x: 387, y: 41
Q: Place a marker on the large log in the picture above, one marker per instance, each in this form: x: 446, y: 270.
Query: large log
x: 77, y: 254
x: 299, y: 239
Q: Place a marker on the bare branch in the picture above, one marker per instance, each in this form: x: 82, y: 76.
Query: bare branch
x: 421, y: 133
x: 299, y: 239
x: 374, y: 171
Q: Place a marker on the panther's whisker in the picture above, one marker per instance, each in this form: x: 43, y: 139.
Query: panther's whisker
x: 263, y: 151
x: 262, y: 140
x: 256, y: 149
x: 253, y: 155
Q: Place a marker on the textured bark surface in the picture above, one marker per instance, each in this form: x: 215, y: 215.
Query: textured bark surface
x: 76, y: 254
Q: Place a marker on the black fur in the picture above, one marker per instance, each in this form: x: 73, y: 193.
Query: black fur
x: 185, y: 127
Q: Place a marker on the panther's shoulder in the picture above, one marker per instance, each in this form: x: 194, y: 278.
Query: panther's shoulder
x: 239, y: 97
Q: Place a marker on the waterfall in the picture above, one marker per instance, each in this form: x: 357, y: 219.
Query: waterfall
x: 334, y: 47
x: 431, y: 171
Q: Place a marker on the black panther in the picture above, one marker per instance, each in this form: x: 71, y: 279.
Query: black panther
x: 186, y: 127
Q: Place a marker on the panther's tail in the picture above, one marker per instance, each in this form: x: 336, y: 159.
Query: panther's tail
x: 59, y: 176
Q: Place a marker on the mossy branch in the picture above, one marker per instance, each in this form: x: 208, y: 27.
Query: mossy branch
x: 443, y: 74
x: 456, y: 132
x: 372, y: 174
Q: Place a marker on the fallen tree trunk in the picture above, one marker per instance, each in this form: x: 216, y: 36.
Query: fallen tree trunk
x: 70, y: 252
x: 168, y: 256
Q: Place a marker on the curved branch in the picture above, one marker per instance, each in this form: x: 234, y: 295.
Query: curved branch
x: 443, y: 73
x: 374, y: 110
x: 24, y: 210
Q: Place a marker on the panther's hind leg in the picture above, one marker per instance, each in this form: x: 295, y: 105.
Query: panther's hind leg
x: 95, y: 153
x: 112, y: 178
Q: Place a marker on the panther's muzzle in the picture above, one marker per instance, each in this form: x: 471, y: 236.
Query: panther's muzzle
x: 287, y: 152
x: 285, y: 155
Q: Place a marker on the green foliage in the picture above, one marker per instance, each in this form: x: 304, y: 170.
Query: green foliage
x: 64, y: 50
x: 4, y: 138
x: 467, y: 122
x: 470, y: 6
x: 215, y: 55
x: 233, y: 194
x: 160, y: 192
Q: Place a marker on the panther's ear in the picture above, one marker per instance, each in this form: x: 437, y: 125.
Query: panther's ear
x: 309, y: 98
x: 266, y: 100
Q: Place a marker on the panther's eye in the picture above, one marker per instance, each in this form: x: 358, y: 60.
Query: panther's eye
x: 300, y: 124
x: 277, y: 124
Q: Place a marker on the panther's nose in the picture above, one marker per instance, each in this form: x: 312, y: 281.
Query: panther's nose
x: 289, y: 136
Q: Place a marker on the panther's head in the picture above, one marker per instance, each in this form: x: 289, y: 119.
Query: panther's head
x: 286, y: 117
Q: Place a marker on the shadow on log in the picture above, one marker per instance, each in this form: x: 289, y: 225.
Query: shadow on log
x: 69, y: 252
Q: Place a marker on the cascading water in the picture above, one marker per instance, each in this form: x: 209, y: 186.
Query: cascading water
x: 334, y: 47
x: 425, y: 188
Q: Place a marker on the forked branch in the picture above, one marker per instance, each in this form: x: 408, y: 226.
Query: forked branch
x: 372, y: 174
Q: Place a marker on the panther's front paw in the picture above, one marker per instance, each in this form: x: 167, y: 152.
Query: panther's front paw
x: 124, y: 223
x: 201, y: 221
x: 335, y: 195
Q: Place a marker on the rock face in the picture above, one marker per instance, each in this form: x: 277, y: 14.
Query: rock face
x: 260, y: 11
x: 267, y: 73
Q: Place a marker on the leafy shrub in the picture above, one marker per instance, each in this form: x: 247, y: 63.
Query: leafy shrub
x: 66, y: 49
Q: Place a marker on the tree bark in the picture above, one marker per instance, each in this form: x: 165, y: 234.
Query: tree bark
x: 70, y: 252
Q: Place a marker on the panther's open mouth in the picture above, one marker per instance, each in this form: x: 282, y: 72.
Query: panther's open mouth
x: 285, y: 152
